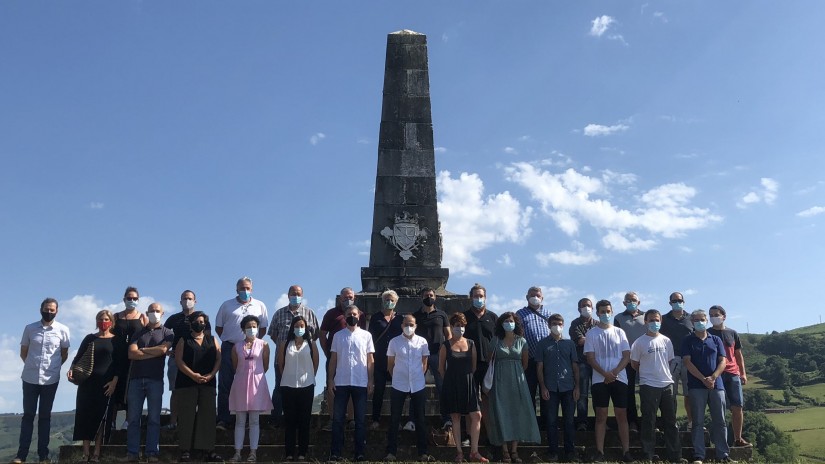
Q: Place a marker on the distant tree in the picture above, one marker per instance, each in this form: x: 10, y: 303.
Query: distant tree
x: 776, y: 371
x: 758, y: 400
x: 788, y: 396
x: 772, y: 444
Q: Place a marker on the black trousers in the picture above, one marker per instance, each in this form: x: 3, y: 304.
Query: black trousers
x: 297, y: 413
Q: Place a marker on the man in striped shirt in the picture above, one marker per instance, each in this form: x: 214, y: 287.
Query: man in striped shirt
x: 534, y: 320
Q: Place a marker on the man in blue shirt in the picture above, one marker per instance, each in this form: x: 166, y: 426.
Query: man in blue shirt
x: 534, y: 318
x: 704, y: 357
x: 558, y: 376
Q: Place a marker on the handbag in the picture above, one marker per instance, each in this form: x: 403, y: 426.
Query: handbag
x: 487, y: 383
x: 441, y: 437
x: 83, y: 367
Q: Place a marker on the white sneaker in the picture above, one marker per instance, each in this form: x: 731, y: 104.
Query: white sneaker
x: 409, y: 426
x: 252, y: 456
x: 374, y: 426
x: 235, y: 457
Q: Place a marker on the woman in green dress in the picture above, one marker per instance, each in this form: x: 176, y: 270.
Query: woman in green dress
x: 512, y: 414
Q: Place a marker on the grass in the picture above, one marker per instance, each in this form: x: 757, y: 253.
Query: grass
x: 811, y: 329
x: 806, y: 426
x: 816, y: 391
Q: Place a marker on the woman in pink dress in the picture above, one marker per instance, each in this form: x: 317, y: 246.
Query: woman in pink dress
x: 250, y: 393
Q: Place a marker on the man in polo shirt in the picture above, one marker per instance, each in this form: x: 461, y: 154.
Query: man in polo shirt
x: 350, y: 376
x: 228, y: 328
x: 704, y: 357
x: 407, y: 357
x: 534, y: 319
x: 676, y: 326
x: 278, y: 332
x: 632, y: 321
x: 651, y: 355
x: 147, y: 352
x: 434, y: 326
x: 558, y: 374
x: 179, y: 324
x: 734, y: 375
x: 335, y: 320
x: 44, y: 347
x: 578, y: 331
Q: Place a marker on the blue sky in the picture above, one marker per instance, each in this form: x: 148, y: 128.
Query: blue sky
x: 587, y: 147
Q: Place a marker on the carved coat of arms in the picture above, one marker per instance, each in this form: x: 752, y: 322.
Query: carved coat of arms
x: 405, y: 235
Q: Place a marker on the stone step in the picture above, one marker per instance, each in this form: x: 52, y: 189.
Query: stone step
x: 320, y: 452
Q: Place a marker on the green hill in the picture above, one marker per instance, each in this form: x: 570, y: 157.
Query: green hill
x: 62, y: 427
x: 811, y: 329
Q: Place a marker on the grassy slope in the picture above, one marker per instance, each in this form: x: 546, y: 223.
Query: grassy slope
x: 62, y: 426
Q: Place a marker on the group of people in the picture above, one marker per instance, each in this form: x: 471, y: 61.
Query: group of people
x: 488, y: 370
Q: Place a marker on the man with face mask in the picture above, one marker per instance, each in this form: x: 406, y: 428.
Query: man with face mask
x: 407, y: 357
x: 228, y: 328
x: 147, y: 352
x: 335, y: 320
x: 534, y: 319
x: 44, y: 347
x: 433, y: 324
x: 578, y: 332
x: 632, y: 321
x: 558, y: 375
x: 279, y: 331
x: 734, y: 376
x: 179, y: 324
x: 350, y: 376
x: 704, y: 357
x: 676, y: 326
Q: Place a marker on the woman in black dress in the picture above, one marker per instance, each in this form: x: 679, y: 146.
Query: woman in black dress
x: 459, y: 392
x: 128, y: 323
x: 94, y: 393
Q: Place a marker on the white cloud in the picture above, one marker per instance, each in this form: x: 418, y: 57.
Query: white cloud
x: 660, y: 15
x: 524, y: 138
x: 620, y: 178
x: 690, y: 292
x: 500, y: 305
x: 440, y: 150
x: 445, y: 37
x: 600, y: 25
x: 361, y: 140
x: 554, y: 294
x: 598, y: 130
x: 686, y: 249
x: 462, y: 204
x: 282, y: 301
x: 96, y: 205
x: 767, y: 192
x: 810, y: 212
x: 510, y: 151
x: 578, y: 257
x: 505, y: 260
x: 571, y: 199
x: 10, y: 363
x: 316, y: 138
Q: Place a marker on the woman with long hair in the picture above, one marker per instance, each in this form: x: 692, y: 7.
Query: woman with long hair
x: 512, y: 416
x: 298, y: 362
x: 94, y: 393
x: 249, y: 395
x: 198, y: 358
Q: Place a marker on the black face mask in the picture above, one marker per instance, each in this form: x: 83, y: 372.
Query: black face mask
x: 429, y: 301
x: 198, y: 326
x: 352, y: 320
x: 48, y: 317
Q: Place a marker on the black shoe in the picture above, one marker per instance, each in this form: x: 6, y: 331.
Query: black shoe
x: 598, y: 457
x: 334, y: 458
x: 360, y: 458
x: 654, y: 458
x: 626, y: 457
x: 184, y: 457
x: 212, y: 457
x: 552, y: 458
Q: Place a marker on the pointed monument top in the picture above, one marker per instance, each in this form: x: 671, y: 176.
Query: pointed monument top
x: 406, y: 36
x: 405, y: 32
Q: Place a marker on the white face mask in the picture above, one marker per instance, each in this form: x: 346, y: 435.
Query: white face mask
x: 534, y: 301
x: 556, y: 330
x: 251, y: 332
x: 718, y: 320
x: 409, y: 331
x: 458, y: 330
x: 154, y: 317
x: 189, y: 304
x: 586, y: 311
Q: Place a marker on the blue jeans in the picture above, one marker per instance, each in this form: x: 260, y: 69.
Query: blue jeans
x: 225, y: 376
x: 700, y: 399
x: 552, y: 417
x: 343, y: 393
x: 31, y: 393
x: 432, y: 366
x: 585, y: 380
x: 137, y: 391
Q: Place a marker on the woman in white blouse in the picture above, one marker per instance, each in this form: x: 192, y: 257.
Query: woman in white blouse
x: 298, y: 363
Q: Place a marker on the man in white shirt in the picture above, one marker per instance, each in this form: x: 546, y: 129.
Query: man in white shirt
x: 44, y: 347
x: 407, y: 357
x: 228, y: 328
x: 650, y: 356
x: 350, y: 376
x: 608, y: 353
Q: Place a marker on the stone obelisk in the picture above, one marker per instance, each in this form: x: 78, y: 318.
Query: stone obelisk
x: 405, y: 250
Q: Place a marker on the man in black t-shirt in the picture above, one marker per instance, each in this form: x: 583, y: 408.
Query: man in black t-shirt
x: 434, y: 326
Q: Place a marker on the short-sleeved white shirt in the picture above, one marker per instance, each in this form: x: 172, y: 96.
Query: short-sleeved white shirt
x: 232, y: 312
x: 653, y: 355
x: 408, y: 372
x: 43, y: 361
x: 351, y: 349
x: 607, y: 346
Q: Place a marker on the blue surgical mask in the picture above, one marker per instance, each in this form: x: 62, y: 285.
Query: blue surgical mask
x: 299, y: 331
x: 700, y: 326
x: 604, y: 318
x: 509, y: 326
x: 478, y: 302
x: 389, y: 304
x: 632, y: 306
x: 130, y: 304
x: 295, y: 300
x: 244, y: 295
x: 654, y: 326
x: 678, y: 306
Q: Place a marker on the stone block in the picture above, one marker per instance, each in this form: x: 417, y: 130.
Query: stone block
x: 406, y: 109
x: 407, y: 82
x: 406, y: 163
